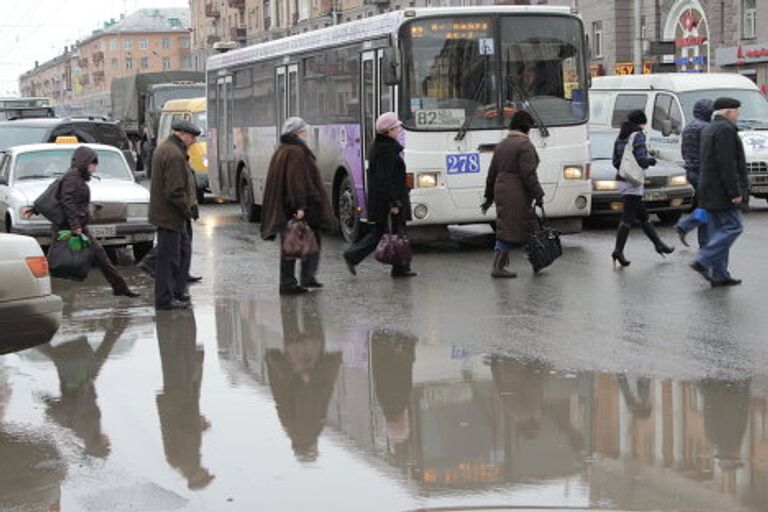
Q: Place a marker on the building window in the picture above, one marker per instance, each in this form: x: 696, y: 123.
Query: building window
x: 114, y: 63
x: 113, y: 44
x: 174, y: 22
x: 128, y: 44
x: 143, y: 44
x: 749, y: 28
x: 185, y: 42
x: 144, y: 62
x: 128, y: 63
x: 166, y: 43
x: 166, y: 63
x: 597, y: 39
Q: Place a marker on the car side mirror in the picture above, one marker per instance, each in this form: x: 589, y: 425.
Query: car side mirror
x: 390, y: 67
x: 666, y: 127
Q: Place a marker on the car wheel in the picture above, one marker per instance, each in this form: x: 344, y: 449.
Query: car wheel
x: 141, y: 249
x: 349, y: 222
x: 669, y: 217
x: 248, y: 210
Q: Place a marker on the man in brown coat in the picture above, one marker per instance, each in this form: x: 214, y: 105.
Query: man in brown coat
x: 170, y: 209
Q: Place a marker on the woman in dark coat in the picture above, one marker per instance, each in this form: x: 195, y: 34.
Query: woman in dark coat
x: 294, y: 190
x: 634, y: 208
x: 514, y: 186
x: 388, y: 193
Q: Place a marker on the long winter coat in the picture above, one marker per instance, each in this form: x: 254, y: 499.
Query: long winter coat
x: 387, y: 186
x: 170, y: 201
x: 723, y: 166
x: 690, y: 145
x: 293, y: 183
x: 74, y: 193
x: 513, y: 185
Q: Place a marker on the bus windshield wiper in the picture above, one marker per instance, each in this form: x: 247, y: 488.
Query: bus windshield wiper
x: 475, y: 97
x: 531, y: 109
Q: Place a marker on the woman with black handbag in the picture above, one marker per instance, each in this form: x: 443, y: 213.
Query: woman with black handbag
x: 514, y: 186
x: 294, y: 192
x: 389, y: 205
x: 631, y: 162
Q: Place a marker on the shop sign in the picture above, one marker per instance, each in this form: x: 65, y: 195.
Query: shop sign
x: 625, y: 68
x: 738, y: 55
x: 647, y: 67
x: 688, y: 28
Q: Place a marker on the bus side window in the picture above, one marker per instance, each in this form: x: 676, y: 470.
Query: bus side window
x: 626, y: 103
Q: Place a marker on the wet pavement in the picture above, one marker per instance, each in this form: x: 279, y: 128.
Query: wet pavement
x: 586, y: 387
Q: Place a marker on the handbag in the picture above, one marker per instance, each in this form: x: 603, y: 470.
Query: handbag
x: 49, y: 205
x: 543, y: 246
x: 68, y: 260
x: 629, y: 170
x: 394, y: 248
x: 298, y: 241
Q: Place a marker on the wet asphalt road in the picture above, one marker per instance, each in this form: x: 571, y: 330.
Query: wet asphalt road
x: 586, y: 386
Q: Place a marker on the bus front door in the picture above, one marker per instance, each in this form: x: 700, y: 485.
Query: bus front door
x: 224, y: 141
x: 287, y: 92
x: 376, y: 97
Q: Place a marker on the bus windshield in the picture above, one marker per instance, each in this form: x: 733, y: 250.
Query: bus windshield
x: 481, y: 69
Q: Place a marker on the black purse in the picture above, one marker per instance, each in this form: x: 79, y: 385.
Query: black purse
x: 49, y: 206
x: 543, y: 246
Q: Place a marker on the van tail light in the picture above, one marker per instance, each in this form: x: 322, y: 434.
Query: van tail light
x: 409, y: 180
x: 38, y: 266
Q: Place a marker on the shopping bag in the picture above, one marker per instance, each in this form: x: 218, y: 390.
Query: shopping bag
x: 394, y: 247
x: 629, y: 170
x: 49, y: 205
x: 298, y: 241
x: 543, y: 246
x: 70, y: 256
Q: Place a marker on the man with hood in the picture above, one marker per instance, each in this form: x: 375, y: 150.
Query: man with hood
x: 702, y: 115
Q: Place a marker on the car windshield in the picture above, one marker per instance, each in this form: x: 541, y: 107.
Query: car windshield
x: 601, y: 146
x: 52, y: 163
x: 754, y: 106
x: 201, y: 120
x: 11, y: 136
x: 465, y: 70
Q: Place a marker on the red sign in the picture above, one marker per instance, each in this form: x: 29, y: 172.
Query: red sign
x: 685, y: 42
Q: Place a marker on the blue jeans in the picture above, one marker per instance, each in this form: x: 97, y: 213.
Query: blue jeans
x: 691, y: 222
x: 725, y: 226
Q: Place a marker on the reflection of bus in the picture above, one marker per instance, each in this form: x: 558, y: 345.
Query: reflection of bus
x: 23, y: 108
x: 455, y: 75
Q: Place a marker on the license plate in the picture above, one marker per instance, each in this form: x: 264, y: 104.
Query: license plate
x: 462, y: 163
x: 103, y: 231
x: 655, y: 196
x: 759, y: 189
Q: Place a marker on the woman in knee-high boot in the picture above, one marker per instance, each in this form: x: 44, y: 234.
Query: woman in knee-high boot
x: 634, y: 208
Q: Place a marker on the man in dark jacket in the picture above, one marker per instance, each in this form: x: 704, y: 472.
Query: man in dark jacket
x: 75, y: 198
x: 723, y: 189
x: 702, y: 115
x: 170, y: 209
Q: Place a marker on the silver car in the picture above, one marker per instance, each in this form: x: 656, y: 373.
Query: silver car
x: 119, y: 205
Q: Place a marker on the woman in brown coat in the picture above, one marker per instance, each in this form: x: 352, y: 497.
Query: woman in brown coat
x: 294, y: 190
x: 514, y: 186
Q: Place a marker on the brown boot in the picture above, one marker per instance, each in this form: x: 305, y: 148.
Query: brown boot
x: 501, y: 258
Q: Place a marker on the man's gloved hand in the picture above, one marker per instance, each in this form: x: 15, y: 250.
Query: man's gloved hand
x: 652, y: 161
x: 195, y: 212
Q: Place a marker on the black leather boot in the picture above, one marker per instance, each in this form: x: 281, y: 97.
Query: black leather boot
x: 660, y: 246
x: 621, y: 240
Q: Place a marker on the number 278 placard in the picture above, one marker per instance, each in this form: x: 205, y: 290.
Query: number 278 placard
x: 462, y: 163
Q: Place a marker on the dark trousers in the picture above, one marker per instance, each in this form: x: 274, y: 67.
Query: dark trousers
x: 360, y: 250
x: 725, y: 226
x: 149, y: 261
x: 108, y: 269
x: 309, y: 267
x: 170, y: 281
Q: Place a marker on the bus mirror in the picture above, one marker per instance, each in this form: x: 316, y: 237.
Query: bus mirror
x: 390, y: 67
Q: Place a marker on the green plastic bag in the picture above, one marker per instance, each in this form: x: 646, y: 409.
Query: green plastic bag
x: 75, y: 242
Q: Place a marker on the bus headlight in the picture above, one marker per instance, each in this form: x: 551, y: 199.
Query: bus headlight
x: 605, y: 185
x: 573, y: 172
x: 426, y: 180
x: 677, y: 181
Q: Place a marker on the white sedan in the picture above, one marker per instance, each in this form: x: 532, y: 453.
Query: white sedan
x: 119, y: 205
x: 29, y: 313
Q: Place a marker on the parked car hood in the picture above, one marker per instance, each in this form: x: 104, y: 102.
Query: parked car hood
x: 113, y: 191
x: 604, y: 169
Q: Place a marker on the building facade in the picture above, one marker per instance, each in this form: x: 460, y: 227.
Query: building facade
x: 79, y: 80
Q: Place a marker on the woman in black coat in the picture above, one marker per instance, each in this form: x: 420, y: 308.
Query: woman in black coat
x: 388, y: 193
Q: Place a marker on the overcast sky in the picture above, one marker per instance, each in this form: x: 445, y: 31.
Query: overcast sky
x: 33, y: 30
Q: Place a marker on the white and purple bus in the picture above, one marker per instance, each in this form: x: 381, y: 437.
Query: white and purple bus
x: 454, y: 76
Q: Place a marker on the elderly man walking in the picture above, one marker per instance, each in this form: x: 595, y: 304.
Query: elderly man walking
x: 170, y: 209
x: 723, y: 189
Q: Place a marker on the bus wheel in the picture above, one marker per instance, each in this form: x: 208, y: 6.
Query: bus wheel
x: 245, y: 192
x: 349, y: 223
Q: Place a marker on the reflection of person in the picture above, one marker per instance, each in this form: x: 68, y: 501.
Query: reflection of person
x: 726, y: 413
x: 295, y: 190
x: 388, y: 193
x: 178, y: 405
x: 78, y: 366
x: 529, y: 81
x: 638, y: 403
x: 302, y: 377
x: 514, y: 186
x: 520, y: 385
x: 392, y: 358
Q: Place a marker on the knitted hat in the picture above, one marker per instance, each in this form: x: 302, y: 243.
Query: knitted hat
x: 293, y: 125
x: 637, y: 117
x: 386, y: 122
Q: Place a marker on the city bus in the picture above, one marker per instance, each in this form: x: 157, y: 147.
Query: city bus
x: 455, y: 76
